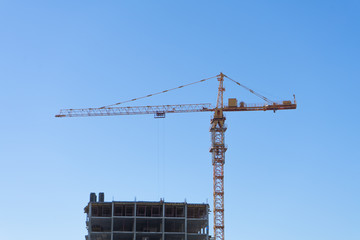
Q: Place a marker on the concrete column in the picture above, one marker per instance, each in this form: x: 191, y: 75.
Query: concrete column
x: 163, y: 221
x: 186, y: 220
x: 90, y: 217
x: 135, y: 220
x: 207, y: 219
x: 112, y: 220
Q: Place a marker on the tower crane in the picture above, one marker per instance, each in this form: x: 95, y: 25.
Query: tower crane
x: 217, y: 129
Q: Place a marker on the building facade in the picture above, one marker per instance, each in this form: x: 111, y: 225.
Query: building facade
x: 146, y: 220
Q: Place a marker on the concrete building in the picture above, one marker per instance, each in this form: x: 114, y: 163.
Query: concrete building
x: 146, y: 220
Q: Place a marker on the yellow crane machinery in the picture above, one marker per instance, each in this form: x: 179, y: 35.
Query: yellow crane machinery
x: 217, y: 129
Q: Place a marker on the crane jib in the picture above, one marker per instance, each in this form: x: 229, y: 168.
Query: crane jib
x: 113, y: 111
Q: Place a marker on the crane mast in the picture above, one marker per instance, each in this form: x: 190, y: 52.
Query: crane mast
x: 217, y: 129
x: 218, y: 150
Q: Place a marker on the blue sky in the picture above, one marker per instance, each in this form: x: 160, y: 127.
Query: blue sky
x: 292, y: 175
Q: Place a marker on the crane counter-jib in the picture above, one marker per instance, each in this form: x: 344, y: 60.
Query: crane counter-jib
x: 271, y: 107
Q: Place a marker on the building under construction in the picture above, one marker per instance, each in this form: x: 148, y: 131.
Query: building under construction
x: 146, y: 220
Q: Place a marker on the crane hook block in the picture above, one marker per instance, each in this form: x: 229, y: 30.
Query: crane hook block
x: 159, y: 115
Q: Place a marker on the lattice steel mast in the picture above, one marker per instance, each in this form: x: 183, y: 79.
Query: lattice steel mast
x: 218, y: 150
